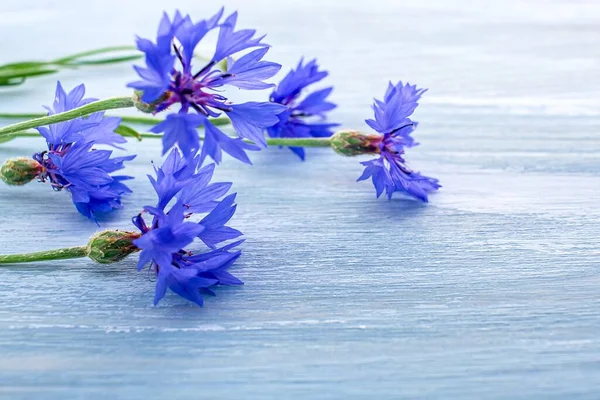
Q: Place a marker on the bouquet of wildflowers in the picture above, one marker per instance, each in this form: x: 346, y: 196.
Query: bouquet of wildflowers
x: 184, y: 239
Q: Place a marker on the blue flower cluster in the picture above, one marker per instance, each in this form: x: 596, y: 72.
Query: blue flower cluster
x: 296, y: 122
x: 187, y: 187
x: 169, y: 78
x: 189, y: 207
x: 74, y: 164
x: 390, y: 172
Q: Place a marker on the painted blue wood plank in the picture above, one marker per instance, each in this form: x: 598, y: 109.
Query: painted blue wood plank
x: 490, y: 291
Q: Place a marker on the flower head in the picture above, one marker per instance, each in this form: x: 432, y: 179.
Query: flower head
x: 390, y: 172
x: 74, y: 164
x: 170, y: 78
x: 183, y: 190
x: 296, y: 122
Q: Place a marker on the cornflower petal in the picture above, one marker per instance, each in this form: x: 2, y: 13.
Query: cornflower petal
x: 302, y: 117
x: 249, y: 71
x: 215, y: 141
x: 390, y: 173
x: 73, y: 164
x: 162, y: 242
x: 252, y: 118
x: 231, y: 42
x: 180, y: 129
x: 170, y: 78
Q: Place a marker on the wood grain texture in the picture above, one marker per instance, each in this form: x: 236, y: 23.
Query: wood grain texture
x: 488, y: 292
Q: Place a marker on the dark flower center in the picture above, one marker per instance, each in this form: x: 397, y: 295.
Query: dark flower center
x: 190, y: 90
x: 50, y: 170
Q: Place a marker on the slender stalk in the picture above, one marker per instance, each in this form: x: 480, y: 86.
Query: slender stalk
x: 110, y: 49
x: 100, y: 105
x: 16, y: 73
x: 22, y: 115
x: 292, y: 142
x: 75, y: 60
x: 57, y: 254
x: 299, y: 142
x: 220, y: 121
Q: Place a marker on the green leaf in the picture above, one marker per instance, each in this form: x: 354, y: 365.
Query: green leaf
x: 222, y: 65
x: 103, y: 50
x: 17, y: 77
x: 141, y: 120
x: 125, y: 130
x: 15, y: 73
x: 22, y: 115
x: 220, y: 121
x: 112, y: 60
x: 24, y: 73
x: 11, y: 82
x: 22, y: 65
x: 8, y: 138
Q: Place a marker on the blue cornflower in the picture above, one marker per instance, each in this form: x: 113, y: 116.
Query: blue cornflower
x: 389, y: 172
x: 169, y: 78
x: 187, y: 189
x: 71, y: 161
x: 293, y: 123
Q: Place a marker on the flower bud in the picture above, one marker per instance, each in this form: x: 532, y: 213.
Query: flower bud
x: 111, y: 246
x: 353, y: 143
x: 148, y: 108
x: 19, y: 171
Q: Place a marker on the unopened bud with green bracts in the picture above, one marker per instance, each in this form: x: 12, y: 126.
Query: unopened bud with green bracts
x: 111, y: 246
x: 19, y: 171
x: 353, y: 143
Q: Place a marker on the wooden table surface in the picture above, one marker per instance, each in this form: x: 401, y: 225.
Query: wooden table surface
x: 491, y: 291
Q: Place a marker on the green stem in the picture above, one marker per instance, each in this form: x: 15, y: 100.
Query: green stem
x: 96, y: 106
x: 16, y: 73
x: 293, y: 142
x: 57, y: 254
x: 110, y: 49
x: 22, y: 115
x: 220, y: 121
x: 299, y: 142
